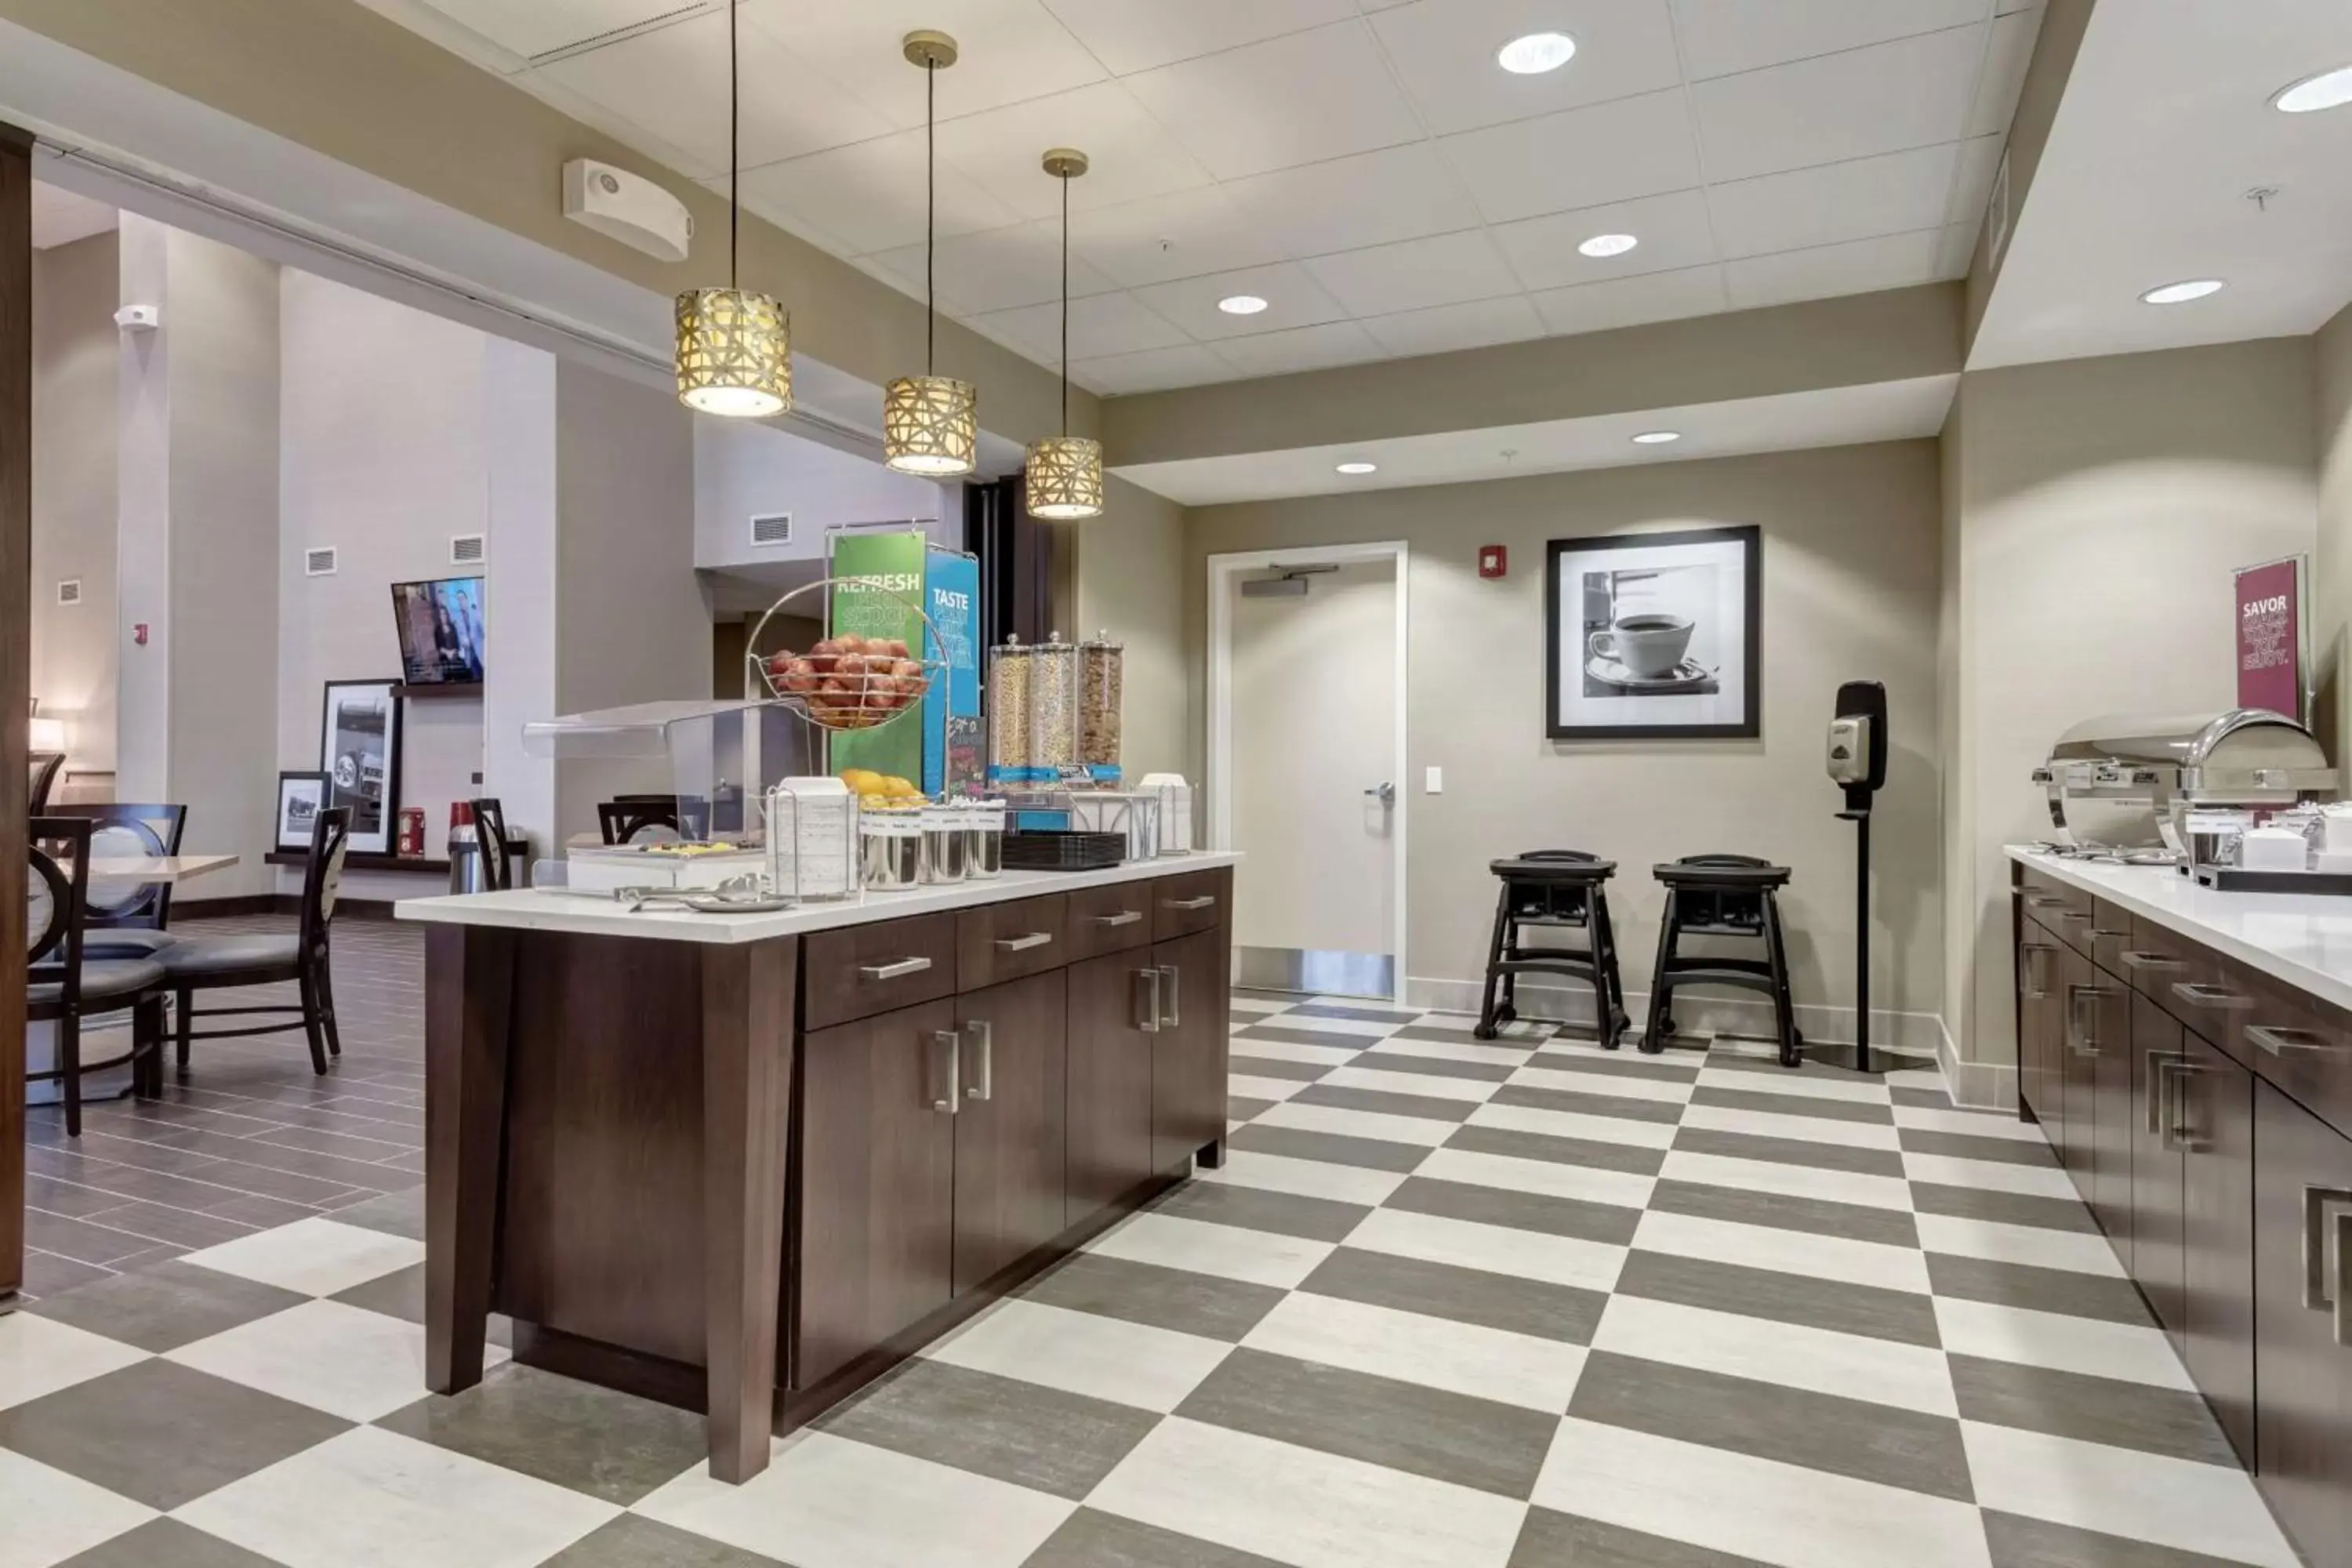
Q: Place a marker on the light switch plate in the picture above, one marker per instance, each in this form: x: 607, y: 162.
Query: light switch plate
x: 1435, y: 782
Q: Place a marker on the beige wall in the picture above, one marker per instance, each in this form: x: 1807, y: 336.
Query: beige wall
x: 2331, y: 599
x: 75, y: 354
x: 1127, y: 580
x: 1850, y: 591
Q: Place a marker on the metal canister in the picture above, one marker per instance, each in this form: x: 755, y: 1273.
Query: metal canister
x: 891, y: 843
x: 943, y: 844
x: 984, y: 838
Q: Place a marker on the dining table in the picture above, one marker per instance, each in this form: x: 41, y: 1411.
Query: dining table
x: 171, y: 870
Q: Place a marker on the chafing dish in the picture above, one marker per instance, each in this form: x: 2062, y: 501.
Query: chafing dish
x: 2128, y: 782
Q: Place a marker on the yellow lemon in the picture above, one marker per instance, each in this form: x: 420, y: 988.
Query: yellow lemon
x: 861, y: 781
x: 900, y: 787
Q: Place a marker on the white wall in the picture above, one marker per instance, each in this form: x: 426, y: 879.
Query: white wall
x: 744, y: 469
x: 1129, y: 581
x: 519, y: 394
x: 2332, y: 594
x: 75, y: 287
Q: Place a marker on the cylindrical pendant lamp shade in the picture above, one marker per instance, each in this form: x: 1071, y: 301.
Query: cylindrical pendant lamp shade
x: 734, y: 353
x: 1064, y: 478
x: 930, y: 425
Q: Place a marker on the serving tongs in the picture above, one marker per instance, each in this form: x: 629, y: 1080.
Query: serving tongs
x: 745, y: 895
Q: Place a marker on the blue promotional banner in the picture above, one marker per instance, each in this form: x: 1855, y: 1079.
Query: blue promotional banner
x: 951, y: 599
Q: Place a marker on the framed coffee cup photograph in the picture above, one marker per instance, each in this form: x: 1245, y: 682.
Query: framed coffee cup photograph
x: 1653, y: 636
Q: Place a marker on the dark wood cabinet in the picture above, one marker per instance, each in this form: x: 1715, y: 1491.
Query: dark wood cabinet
x: 1011, y: 1040
x: 2154, y: 1259
x: 2303, y: 1227
x: 1110, y: 1053
x: 2214, y: 1124
x: 2038, y: 979
x: 2077, y: 1066
x: 2108, y: 1013
x: 1189, y: 1049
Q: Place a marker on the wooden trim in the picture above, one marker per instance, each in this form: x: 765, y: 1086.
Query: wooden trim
x: 15, y: 673
x: 360, y: 860
x: 468, y: 1000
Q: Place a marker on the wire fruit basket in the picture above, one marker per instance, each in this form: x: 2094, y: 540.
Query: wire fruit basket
x: 847, y: 681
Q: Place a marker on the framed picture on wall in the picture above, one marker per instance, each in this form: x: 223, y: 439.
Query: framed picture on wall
x: 359, y: 751
x: 300, y: 796
x: 1653, y: 636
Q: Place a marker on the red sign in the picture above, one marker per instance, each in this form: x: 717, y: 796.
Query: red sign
x: 2270, y: 637
x: 1494, y: 561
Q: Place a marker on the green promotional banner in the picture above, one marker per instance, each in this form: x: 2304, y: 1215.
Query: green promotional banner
x: 876, y: 592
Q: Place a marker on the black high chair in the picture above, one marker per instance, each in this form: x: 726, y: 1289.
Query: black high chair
x: 1723, y: 894
x: 1554, y: 890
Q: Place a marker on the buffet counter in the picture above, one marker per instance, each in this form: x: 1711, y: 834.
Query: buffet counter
x: 745, y: 1164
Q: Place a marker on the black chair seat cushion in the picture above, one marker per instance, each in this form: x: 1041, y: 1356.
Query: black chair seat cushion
x: 124, y: 942
x: 231, y: 960
x: 109, y: 980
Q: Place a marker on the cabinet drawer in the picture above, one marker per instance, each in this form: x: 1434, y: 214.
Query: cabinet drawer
x: 2111, y: 937
x: 2065, y: 912
x: 2153, y: 961
x: 2299, y: 1043
x: 1112, y: 919
x: 1006, y: 941
x: 1196, y: 901
x: 859, y: 971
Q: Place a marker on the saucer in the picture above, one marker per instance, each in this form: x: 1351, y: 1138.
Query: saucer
x: 1687, y: 675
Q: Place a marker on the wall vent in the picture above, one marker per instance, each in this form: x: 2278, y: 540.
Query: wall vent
x: 774, y: 528
x: 470, y: 549
x: 69, y: 591
x: 318, y: 563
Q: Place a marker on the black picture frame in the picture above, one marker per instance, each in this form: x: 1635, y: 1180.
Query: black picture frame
x: 367, y: 782
x: 1747, y: 725
x: 292, y: 823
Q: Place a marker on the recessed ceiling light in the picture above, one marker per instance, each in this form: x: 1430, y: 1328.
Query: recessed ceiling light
x: 1656, y: 437
x: 1241, y: 304
x: 1609, y: 245
x: 2329, y: 90
x: 2183, y: 292
x: 1535, y: 53
x: 1360, y: 468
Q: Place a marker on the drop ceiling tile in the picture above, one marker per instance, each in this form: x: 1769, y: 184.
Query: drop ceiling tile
x: 1720, y: 36
x: 1980, y: 161
x: 1289, y: 100
x: 1911, y: 93
x: 1578, y: 158
x: 1013, y: 50
x: 1375, y: 198
x: 1293, y: 300
x: 2010, y: 51
x: 1443, y: 52
x: 535, y: 27
x: 1857, y: 266
x: 1130, y: 36
x: 1893, y: 194
x: 1154, y: 370
x: 1445, y: 328
x: 672, y: 83
x: 1414, y: 274
x: 1632, y: 301
x: 1673, y: 231
x: 870, y: 196
x: 1956, y: 252
x: 1130, y: 156
x: 1185, y: 234
x: 1101, y: 326
x: 999, y: 270
x: 1300, y: 348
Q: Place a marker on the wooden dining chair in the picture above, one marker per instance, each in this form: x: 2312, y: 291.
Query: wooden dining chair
x: 64, y: 985
x: 126, y: 917
x: 490, y: 845
x: 647, y: 818
x: 45, y: 766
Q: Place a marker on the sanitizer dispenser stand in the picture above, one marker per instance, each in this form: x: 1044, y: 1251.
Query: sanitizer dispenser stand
x: 1858, y: 761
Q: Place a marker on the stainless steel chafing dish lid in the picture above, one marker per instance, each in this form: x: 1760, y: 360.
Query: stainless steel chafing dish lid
x: 2243, y: 753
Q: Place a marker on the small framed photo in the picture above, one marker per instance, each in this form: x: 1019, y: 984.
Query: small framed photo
x: 359, y: 751
x: 1655, y: 635
x: 300, y: 796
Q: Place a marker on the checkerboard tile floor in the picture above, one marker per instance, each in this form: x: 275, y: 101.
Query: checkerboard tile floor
x: 1450, y: 1303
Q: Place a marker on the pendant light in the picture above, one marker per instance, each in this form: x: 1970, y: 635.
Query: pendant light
x: 1065, y: 477
x: 930, y: 424
x: 734, y: 347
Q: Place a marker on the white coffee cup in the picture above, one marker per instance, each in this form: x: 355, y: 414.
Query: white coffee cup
x: 1648, y: 643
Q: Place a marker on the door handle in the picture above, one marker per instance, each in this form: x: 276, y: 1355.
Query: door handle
x: 2098, y: 935
x: 1123, y: 918
x: 2081, y: 1039
x: 1383, y: 791
x: 2143, y: 959
x: 983, y: 1082
x: 2327, y: 1280
x: 2198, y: 995
x: 2160, y: 1112
x: 1204, y: 901
x: 2179, y: 1131
x: 1173, y: 1018
x: 1147, y: 992
x: 896, y: 970
x: 2037, y: 960
x: 1025, y: 942
x: 947, y: 1066
x: 2281, y: 1042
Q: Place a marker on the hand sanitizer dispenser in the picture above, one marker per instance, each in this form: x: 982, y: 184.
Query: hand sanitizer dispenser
x: 1857, y: 763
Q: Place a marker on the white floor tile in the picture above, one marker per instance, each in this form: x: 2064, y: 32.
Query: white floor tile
x: 1250, y: 1087
x: 1834, y: 1257
x: 1304, y: 1507
x: 1752, y: 1508
x: 2212, y: 1509
x: 47, y: 1516
x: 1498, y: 1249
x: 372, y: 1499
x: 346, y: 1361
x: 1260, y: 1004
x: 1362, y: 1074
x: 1588, y: 1183
x: 316, y: 1256
x: 1243, y: 1048
x: 1465, y: 1051
x: 1913, y: 1377
x: 1083, y: 1353
x: 1795, y: 1081
x: 1788, y: 1181
x: 1228, y: 1251
x: 1361, y: 1031
x: 1989, y: 1175
x: 1802, y: 1129
x: 1463, y: 1358
x: 1576, y: 1124
x: 829, y: 1502
x: 2029, y: 1244
x: 38, y: 1356
x: 2064, y: 1343
x: 1426, y: 1131
x: 1536, y: 1075
x: 1592, y: 1050
x: 1968, y: 1123
x: 1528, y: 1031
x: 1306, y: 1178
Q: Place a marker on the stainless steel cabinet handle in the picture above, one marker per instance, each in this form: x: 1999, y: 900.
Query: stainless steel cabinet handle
x: 2073, y: 914
x: 2078, y: 1031
x: 2179, y: 1131
x: 2344, y: 1280
x: 2281, y: 1042
x: 2198, y: 995
x: 2098, y: 935
x: 983, y: 1082
x: 1024, y: 942
x: 896, y: 970
x: 2042, y: 900
x: 2326, y: 1277
x: 1206, y: 901
x: 2144, y: 959
x: 1123, y: 918
x: 1146, y: 983
x: 1174, y: 1016
x: 2159, y: 1112
x: 947, y: 1066
x: 2036, y: 977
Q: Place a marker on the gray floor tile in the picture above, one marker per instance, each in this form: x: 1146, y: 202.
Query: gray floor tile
x: 1297, y: 1144
x: 632, y: 1542
x: 1438, y: 1066
x: 1366, y: 1012
x: 1256, y: 1208
x: 1093, y: 1540
x: 1671, y: 1067
x: 1865, y: 1310
x: 1631, y: 1158
x: 171, y: 1226
x: 1550, y: 1540
x: 2002, y: 1208
x: 1240, y: 1108
x: 66, y: 1198
x: 47, y: 1275
x: 401, y: 1294
x: 2063, y: 1290
x: 395, y: 1214
x: 1814, y: 1105
x: 1611, y: 1223
x: 1662, y: 1112
x: 1845, y: 1436
x: 2095, y: 1409
x: 1001, y: 1427
x: 2018, y: 1543
x: 1766, y: 1066
x: 1161, y: 1298
x: 1921, y: 1098
x: 1429, y: 1108
x: 167, y: 1306
x: 1465, y: 1295
x: 1406, y: 1427
x: 1816, y: 1217
x: 594, y: 1441
x: 1248, y: 1066
x: 1791, y: 1152
x: 161, y: 1434
x: 85, y: 1241
x: 1961, y: 1146
x: 166, y: 1544
x: 1274, y: 1031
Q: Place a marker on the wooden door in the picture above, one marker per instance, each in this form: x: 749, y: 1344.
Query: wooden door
x: 2302, y: 1190
x: 2077, y: 1055
x: 2038, y: 979
x: 1008, y: 1132
x: 876, y: 1215
x: 2156, y: 1166
x: 2213, y: 1123
x: 2108, y: 1013
x: 1188, y: 1052
x: 1109, y: 1129
x: 15, y: 672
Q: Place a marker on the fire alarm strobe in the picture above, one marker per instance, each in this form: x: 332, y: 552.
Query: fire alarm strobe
x: 1493, y: 560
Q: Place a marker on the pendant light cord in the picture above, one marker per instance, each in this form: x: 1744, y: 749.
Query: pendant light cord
x: 734, y: 152
x: 930, y: 212
x: 1065, y: 304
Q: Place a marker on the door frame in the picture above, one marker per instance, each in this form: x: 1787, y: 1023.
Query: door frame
x: 1223, y: 571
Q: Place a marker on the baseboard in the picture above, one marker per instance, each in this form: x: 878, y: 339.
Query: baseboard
x: 1981, y: 1085
x: 1911, y: 1034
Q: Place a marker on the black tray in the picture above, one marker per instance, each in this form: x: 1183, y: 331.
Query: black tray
x: 2238, y: 879
x: 1041, y: 851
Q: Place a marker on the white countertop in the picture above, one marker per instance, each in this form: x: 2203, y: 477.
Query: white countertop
x: 588, y: 915
x: 2302, y: 939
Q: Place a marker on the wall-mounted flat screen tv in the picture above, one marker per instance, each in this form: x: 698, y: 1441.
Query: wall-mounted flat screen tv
x: 440, y: 625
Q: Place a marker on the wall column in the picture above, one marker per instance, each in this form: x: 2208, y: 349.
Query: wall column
x: 15, y: 672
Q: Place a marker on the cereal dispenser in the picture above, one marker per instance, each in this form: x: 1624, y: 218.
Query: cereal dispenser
x: 1101, y: 678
